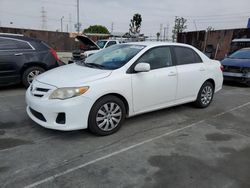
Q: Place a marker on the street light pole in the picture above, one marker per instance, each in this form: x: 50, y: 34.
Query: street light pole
x: 62, y: 24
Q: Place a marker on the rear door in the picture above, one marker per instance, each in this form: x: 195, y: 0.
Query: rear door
x: 191, y: 72
x: 12, y: 53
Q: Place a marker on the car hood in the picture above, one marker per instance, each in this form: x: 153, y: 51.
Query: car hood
x: 72, y: 75
x: 236, y: 62
x: 87, y: 41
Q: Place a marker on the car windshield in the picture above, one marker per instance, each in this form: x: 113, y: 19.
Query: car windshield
x: 101, y: 43
x: 241, y: 54
x: 113, y: 57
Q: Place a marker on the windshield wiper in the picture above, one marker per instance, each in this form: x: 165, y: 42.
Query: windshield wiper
x: 94, y: 65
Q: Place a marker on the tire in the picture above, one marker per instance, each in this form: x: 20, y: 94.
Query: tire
x: 205, y: 95
x: 29, y: 74
x: 106, y: 116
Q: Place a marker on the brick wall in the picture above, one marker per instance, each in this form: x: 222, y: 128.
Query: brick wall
x: 60, y: 41
x: 220, y: 38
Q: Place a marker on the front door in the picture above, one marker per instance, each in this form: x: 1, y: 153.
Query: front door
x: 156, y: 88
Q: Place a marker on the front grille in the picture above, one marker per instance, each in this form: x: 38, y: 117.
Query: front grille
x: 38, y: 115
x: 38, y: 92
x: 42, y: 89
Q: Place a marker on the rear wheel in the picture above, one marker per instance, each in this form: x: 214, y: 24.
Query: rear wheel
x: 29, y: 75
x: 205, y: 95
x: 106, y: 116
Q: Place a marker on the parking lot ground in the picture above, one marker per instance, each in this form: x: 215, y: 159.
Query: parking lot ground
x: 177, y: 147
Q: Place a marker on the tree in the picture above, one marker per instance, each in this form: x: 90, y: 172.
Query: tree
x: 96, y: 29
x: 179, y: 27
x: 135, y: 25
x: 210, y: 28
x: 158, y: 36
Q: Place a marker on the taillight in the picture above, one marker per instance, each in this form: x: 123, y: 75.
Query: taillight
x: 221, y: 68
x: 53, y: 52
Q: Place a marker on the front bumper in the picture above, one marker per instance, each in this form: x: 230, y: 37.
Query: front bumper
x: 45, y: 112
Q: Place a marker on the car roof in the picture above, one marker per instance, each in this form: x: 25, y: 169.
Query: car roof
x: 159, y: 43
x: 245, y: 48
x: 241, y: 40
x: 107, y: 40
x: 19, y: 37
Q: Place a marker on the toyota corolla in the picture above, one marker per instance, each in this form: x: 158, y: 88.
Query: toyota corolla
x: 121, y: 81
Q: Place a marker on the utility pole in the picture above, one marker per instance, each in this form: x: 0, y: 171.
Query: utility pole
x: 167, y: 33
x: 70, y: 23
x: 44, y: 19
x: 164, y: 34
x: 78, y: 22
x: 160, y: 31
x: 112, y: 27
x: 195, y: 25
x: 62, y: 23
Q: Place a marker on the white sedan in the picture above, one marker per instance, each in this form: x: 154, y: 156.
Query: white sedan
x: 122, y: 81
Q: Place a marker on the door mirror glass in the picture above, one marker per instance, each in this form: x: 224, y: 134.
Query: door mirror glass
x: 142, y: 67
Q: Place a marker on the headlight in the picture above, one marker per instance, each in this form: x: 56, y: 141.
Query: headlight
x: 68, y: 92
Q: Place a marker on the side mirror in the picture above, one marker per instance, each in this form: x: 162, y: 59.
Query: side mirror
x: 142, y: 67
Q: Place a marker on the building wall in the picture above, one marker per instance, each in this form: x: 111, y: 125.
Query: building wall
x: 60, y: 41
x: 220, y: 40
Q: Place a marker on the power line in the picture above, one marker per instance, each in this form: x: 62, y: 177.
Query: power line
x: 216, y: 15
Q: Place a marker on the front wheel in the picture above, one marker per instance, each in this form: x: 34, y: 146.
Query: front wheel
x: 205, y: 95
x: 106, y: 116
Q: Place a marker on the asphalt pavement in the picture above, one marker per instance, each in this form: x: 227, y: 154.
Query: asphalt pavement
x: 176, y: 147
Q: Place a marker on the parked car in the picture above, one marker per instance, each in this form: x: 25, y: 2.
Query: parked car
x: 92, y: 46
x: 23, y: 58
x: 238, y: 44
x: 122, y: 81
x: 237, y: 66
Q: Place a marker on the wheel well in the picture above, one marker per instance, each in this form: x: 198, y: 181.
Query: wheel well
x: 125, y: 102
x: 33, y: 64
x: 211, y: 81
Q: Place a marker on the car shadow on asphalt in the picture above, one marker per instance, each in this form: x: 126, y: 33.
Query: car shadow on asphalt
x: 11, y: 87
x: 235, y: 84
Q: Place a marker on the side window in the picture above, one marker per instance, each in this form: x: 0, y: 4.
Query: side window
x: 10, y: 44
x: 186, y: 55
x: 23, y: 45
x: 157, y: 57
x: 111, y: 43
x: 7, y: 44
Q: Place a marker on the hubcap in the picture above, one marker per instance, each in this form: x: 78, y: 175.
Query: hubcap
x: 206, y: 95
x: 31, y: 76
x: 109, y: 116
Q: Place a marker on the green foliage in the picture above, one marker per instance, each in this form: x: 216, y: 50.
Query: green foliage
x: 158, y: 36
x: 96, y: 29
x: 135, y: 25
x: 179, y: 27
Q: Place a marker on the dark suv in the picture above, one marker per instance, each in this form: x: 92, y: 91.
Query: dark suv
x: 23, y: 58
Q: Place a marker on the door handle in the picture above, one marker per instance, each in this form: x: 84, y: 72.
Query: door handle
x: 202, y: 69
x: 18, y: 54
x: 172, y: 74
